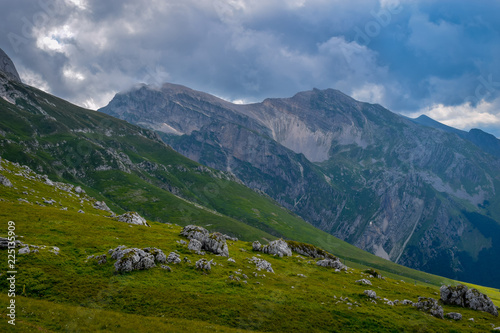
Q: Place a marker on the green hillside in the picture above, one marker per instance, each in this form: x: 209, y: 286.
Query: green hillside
x: 69, y: 292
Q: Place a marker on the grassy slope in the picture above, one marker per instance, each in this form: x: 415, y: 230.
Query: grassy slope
x: 64, y: 292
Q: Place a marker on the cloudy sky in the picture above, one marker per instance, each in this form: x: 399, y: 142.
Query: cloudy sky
x: 441, y: 58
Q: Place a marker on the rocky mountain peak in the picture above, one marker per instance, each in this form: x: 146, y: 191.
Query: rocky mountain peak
x: 7, y: 67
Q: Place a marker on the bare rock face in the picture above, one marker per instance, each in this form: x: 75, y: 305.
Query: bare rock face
x: 7, y: 67
x: 332, y: 263
x: 214, y: 242
x: 431, y: 306
x: 133, y: 218
x: 5, y: 181
x: 467, y: 298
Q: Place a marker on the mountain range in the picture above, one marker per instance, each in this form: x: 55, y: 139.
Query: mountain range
x: 413, y: 191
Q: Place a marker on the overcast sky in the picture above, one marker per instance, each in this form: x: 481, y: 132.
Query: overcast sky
x: 440, y: 58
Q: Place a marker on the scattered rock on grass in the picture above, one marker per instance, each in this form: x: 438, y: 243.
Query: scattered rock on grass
x: 133, y: 218
x: 5, y: 181
x: 454, y: 316
x: 204, y: 264
x: 173, y: 258
x: 365, y: 282
x: 332, y: 263
x: 468, y: 298
x: 431, y: 306
x: 262, y: 264
x: 277, y: 247
x: 370, y: 293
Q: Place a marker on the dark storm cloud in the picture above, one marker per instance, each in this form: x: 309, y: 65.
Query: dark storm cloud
x: 410, y: 56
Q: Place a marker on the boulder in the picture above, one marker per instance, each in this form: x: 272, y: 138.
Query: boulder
x: 204, y: 264
x: 468, y: 298
x: 102, y: 206
x: 454, y: 316
x: 157, y: 253
x: 262, y: 264
x: 256, y: 246
x: 277, y: 247
x: 216, y: 243
x: 365, y: 282
x: 430, y: 305
x: 370, y: 293
x: 79, y: 190
x: 132, y: 218
x: 130, y: 259
x: 5, y: 181
x: 24, y: 250
x: 195, y: 245
x: 332, y: 263
x: 193, y: 231
x: 174, y: 258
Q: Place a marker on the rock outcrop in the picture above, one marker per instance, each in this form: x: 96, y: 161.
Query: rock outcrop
x: 214, y: 242
x: 277, y: 247
x: 332, y: 263
x: 204, y: 264
x: 8, y: 68
x: 130, y: 259
x: 309, y: 250
x: 430, y: 305
x: 5, y: 181
x: 133, y: 218
x: 262, y: 264
x: 454, y: 316
x: 467, y: 298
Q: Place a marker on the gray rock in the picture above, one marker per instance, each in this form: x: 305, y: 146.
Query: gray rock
x: 173, y: 258
x: 204, y: 264
x: 81, y: 211
x: 167, y: 268
x: 49, y: 202
x: 370, y: 293
x: 454, y: 316
x: 234, y: 239
x: 309, y: 250
x: 24, y: 250
x: 4, y: 243
x: 231, y: 260
x: 102, y: 206
x: 407, y: 302
x: 365, y: 282
x: 468, y: 298
x: 496, y: 329
x: 216, y: 243
x: 195, y: 245
x: 256, y: 246
x: 5, y: 181
x: 102, y: 259
x: 157, y: 253
x: 79, y: 190
x: 133, y: 218
x: 193, y: 231
x: 262, y: 264
x: 430, y: 305
x: 130, y: 259
x: 332, y: 263
x: 277, y: 247
x: 182, y: 242
x: 8, y: 68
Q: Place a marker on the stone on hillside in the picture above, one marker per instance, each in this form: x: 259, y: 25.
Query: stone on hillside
x: 370, y: 293
x: 81, y: 211
x: 193, y: 231
x: 454, y: 316
x: 468, y: 298
x: 182, y: 242
x: 309, y: 250
x: 262, y: 264
x: 195, y: 245
x: 216, y: 243
x: 49, y: 202
x: 133, y: 259
x: 167, y: 268
x: 157, y: 253
x: 133, y: 218
x: 5, y: 181
x: 24, y: 250
x: 102, y: 206
x: 332, y: 263
x: 407, y: 302
x: 79, y: 190
x: 496, y: 329
x: 4, y: 243
x: 234, y: 239
x: 365, y: 282
x: 204, y: 264
x: 431, y: 306
x: 173, y: 258
x: 231, y: 260
x: 277, y: 247
x: 256, y: 246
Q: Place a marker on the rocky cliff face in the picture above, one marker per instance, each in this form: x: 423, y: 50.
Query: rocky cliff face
x: 390, y: 185
x: 7, y: 67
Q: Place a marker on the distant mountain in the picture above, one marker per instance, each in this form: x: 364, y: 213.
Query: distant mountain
x: 7, y: 67
x: 487, y: 142
x: 412, y: 193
